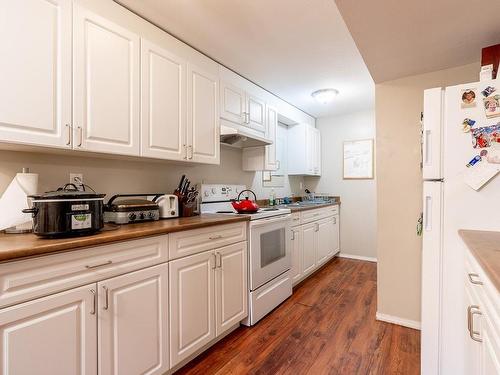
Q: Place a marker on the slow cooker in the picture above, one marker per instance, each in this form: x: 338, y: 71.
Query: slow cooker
x: 67, y: 212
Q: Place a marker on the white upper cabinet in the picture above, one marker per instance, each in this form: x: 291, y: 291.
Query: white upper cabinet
x: 242, y: 102
x: 54, y: 335
x: 106, y: 85
x: 304, y: 150
x: 272, y: 134
x: 203, y: 131
x: 35, y: 72
x: 163, y: 103
x: 232, y: 103
x: 256, y: 113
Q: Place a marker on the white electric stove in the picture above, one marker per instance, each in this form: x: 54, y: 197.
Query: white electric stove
x: 269, y: 249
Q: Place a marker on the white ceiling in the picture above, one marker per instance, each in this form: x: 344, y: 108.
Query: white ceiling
x: 289, y: 47
x: 401, y: 38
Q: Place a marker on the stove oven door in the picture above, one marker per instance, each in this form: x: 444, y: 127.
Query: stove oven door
x: 270, y: 249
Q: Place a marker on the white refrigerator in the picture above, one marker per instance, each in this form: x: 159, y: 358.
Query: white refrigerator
x: 449, y: 204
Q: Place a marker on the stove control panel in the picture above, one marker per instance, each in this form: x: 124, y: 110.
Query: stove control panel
x: 216, y: 193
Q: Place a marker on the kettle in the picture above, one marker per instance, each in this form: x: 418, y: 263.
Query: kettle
x: 169, y: 206
x: 245, y: 206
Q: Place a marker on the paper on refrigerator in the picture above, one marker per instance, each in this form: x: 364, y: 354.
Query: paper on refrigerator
x: 479, y: 174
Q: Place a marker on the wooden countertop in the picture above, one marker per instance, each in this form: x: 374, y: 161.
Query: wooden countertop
x: 485, y: 246
x: 14, y: 246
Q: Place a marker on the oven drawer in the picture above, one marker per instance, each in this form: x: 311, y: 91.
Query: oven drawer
x: 36, y: 277
x: 319, y: 213
x: 191, y: 242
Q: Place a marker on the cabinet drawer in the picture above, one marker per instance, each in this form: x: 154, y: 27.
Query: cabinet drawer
x: 319, y: 213
x: 195, y: 241
x: 32, y: 278
x: 295, y: 219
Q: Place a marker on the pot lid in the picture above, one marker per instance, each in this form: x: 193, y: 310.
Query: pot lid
x: 68, y: 191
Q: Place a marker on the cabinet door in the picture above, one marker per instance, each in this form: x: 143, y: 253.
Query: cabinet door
x: 490, y: 349
x: 272, y: 134
x: 35, y: 72
x: 192, y: 305
x: 297, y: 248
x: 317, y: 152
x: 325, y: 237
x: 133, y: 323
x: 54, y: 335
x: 163, y: 103
x: 232, y: 103
x: 336, y: 235
x: 309, y: 240
x: 106, y: 85
x: 256, y: 109
x: 310, y: 142
x: 472, y: 348
x: 203, y: 116
x: 231, y: 291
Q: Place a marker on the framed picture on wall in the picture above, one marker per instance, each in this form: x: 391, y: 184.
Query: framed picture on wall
x: 358, y: 159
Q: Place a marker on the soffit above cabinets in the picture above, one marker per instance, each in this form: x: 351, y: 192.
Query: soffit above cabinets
x: 403, y: 38
x: 289, y: 47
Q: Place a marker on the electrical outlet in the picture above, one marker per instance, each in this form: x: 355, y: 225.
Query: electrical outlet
x: 77, y: 180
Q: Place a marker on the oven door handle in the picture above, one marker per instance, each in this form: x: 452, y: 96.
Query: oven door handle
x: 261, y: 222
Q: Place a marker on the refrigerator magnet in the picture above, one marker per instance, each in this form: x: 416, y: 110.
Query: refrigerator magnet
x: 473, y: 161
x: 492, y: 106
x: 468, y: 98
x: 467, y: 125
x: 485, y: 136
x: 488, y: 91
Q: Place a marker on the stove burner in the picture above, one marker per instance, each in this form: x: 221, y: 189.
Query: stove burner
x: 225, y: 212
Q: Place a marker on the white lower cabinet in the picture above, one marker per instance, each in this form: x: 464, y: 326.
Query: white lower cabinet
x: 192, y: 307
x: 309, y: 248
x: 54, y: 335
x: 231, y: 286
x: 482, y: 322
x: 133, y: 323
x: 208, y: 296
x: 315, y: 242
x: 297, y: 246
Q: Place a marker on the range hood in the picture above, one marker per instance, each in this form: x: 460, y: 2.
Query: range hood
x: 241, y: 138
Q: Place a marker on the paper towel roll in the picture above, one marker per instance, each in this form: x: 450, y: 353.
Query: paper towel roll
x: 15, y: 199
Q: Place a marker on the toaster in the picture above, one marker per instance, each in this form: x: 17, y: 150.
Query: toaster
x: 169, y: 206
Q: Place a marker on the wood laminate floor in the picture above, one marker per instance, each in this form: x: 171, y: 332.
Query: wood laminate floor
x: 328, y: 326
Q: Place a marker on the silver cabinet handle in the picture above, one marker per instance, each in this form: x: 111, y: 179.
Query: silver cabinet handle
x: 334, y: 220
x: 94, y: 296
x: 98, y: 265
x: 215, y: 261
x: 216, y: 237
x: 106, y: 298
x: 471, y: 276
x: 185, y: 152
x: 80, y: 135
x: 293, y: 235
x: 317, y: 227
x: 190, y: 153
x: 219, y: 255
x: 471, y: 311
x: 69, y: 128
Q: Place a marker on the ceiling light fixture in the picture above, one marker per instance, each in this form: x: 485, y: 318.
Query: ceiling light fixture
x: 325, y: 96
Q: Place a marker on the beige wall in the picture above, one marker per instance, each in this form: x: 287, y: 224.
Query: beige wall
x: 399, y: 186
x: 124, y: 176
x: 359, y: 202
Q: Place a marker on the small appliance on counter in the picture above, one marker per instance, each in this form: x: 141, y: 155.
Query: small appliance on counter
x: 169, y: 206
x: 67, y: 212
x: 134, y: 210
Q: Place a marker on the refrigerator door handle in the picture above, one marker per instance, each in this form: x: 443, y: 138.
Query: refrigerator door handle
x: 428, y: 213
x: 428, y: 147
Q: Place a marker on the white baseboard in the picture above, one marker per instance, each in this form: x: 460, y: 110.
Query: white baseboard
x: 399, y: 321
x: 357, y: 257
